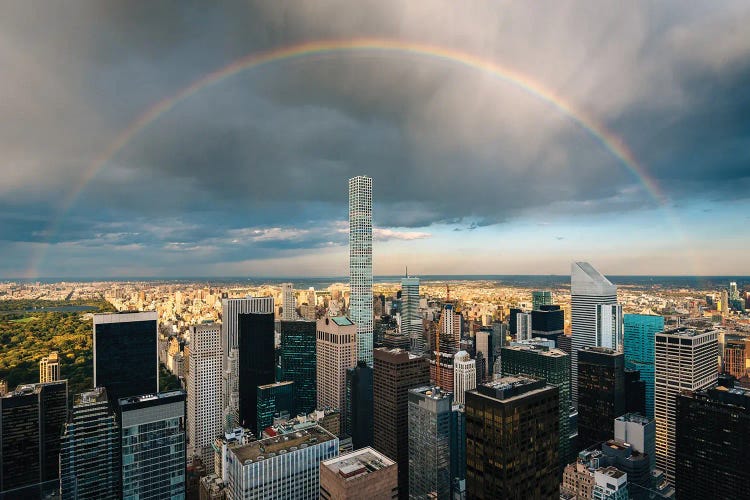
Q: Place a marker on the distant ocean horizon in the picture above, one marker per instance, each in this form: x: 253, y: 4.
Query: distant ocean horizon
x: 520, y: 280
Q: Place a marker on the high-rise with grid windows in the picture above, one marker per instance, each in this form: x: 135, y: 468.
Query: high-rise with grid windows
x: 360, y: 263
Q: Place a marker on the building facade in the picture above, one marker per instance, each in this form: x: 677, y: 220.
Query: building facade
x: 125, y: 353
x: 90, y: 449
x: 429, y: 422
x: 512, y: 440
x: 363, y: 473
x: 685, y: 359
x: 713, y: 436
x: 588, y: 290
x: 288, y: 303
x: 553, y: 366
x: 638, y: 346
x: 283, y: 466
x: 360, y: 263
x: 411, y: 320
x: 464, y: 375
x: 299, y: 361
x: 276, y: 398
x: 523, y: 326
x: 256, y: 363
x: 540, y: 298
x: 152, y: 437
x: 31, y: 419
x: 337, y: 352
x: 640, y: 432
x: 204, y: 401
x: 395, y: 372
x: 601, y: 393
x: 49, y: 368
x: 359, y: 405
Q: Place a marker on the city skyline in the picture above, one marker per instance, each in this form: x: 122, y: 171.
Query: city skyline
x: 140, y: 154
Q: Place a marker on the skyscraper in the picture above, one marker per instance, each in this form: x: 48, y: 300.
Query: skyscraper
x: 231, y: 309
x: 256, y: 362
x: 31, y: 419
x: 411, y: 321
x: 609, y: 326
x: 601, y: 393
x: 298, y: 361
x: 337, y: 352
x: 712, y: 441
x: 125, y: 353
x: 90, y: 449
x: 277, y: 397
x: 395, y: 372
x: 540, y: 298
x: 152, y: 440
x: 640, y: 331
x: 484, y: 346
x: 640, y: 432
x: 204, y: 403
x: 548, y: 323
x: 360, y: 263
x: 429, y: 423
x: 512, y: 440
x: 588, y: 289
x: 288, y: 305
x: 464, y: 375
x: 553, y: 366
x: 49, y: 368
x: 359, y: 405
x: 523, y: 326
x: 685, y: 359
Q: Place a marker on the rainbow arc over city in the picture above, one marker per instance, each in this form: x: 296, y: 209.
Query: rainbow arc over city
x: 381, y: 46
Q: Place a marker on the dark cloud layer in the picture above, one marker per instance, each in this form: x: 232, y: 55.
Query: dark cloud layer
x: 270, y: 150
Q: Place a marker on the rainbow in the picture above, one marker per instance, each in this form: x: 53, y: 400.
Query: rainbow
x: 376, y: 45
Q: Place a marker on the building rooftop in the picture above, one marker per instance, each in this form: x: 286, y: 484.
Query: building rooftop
x: 147, y: 398
x: 96, y: 395
x: 284, y: 443
x: 508, y: 388
x: 686, y: 331
x: 342, y: 321
x: 432, y: 392
x: 358, y: 463
x: 538, y: 349
x: 602, y: 350
x: 397, y: 352
x: 635, y: 418
x: 611, y: 472
x: 276, y: 384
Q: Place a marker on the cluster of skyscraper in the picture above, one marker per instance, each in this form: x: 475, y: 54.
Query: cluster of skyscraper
x: 518, y: 409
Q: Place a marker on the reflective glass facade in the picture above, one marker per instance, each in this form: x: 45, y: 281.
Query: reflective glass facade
x: 256, y: 362
x: 153, y: 446
x: 640, y: 330
x: 273, y: 398
x: 298, y: 362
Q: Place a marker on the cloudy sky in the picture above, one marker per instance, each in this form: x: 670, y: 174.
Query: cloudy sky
x: 471, y: 174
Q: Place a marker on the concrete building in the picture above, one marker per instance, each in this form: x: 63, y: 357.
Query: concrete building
x: 588, y: 290
x: 394, y: 373
x: 685, y: 359
x: 363, y: 473
x: 204, y: 402
x: 126, y: 353
x: 523, y: 326
x: 609, y: 331
x: 152, y: 437
x: 429, y: 423
x: 288, y: 303
x: 49, y: 368
x: 610, y: 483
x: 31, y: 419
x: 640, y: 432
x: 360, y: 263
x: 512, y: 439
x: 336, y: 353
x: 90, y: 448
x: 283, y: 466
x: 484, y: 346
x: 464, y: 375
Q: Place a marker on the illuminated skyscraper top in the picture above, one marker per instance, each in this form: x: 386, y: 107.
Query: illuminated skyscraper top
x: 360, y: 263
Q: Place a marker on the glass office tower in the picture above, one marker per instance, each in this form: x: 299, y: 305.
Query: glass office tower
x: 640, y: 330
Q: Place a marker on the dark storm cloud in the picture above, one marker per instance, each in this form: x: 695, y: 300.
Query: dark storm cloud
x: 270, y: 150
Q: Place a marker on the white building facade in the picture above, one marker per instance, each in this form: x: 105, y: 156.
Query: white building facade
x: 360, y: 263
x: 204, y: 404
x: 464, y: 376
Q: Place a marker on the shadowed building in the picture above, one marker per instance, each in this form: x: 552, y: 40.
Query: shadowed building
x: 298, y: 362
x: 256, y: 362
x: 601, y: 393
x: 363, y: 473
x: 512, y: 439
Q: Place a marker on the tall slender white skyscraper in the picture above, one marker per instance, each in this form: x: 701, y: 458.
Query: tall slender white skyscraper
x: 204, y: 405
x: 411, y: 321
x: 360, y: 263
x: 588, y: 290
x: 684, y: 360
x: 288, y: 306
x: 464, y: 375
